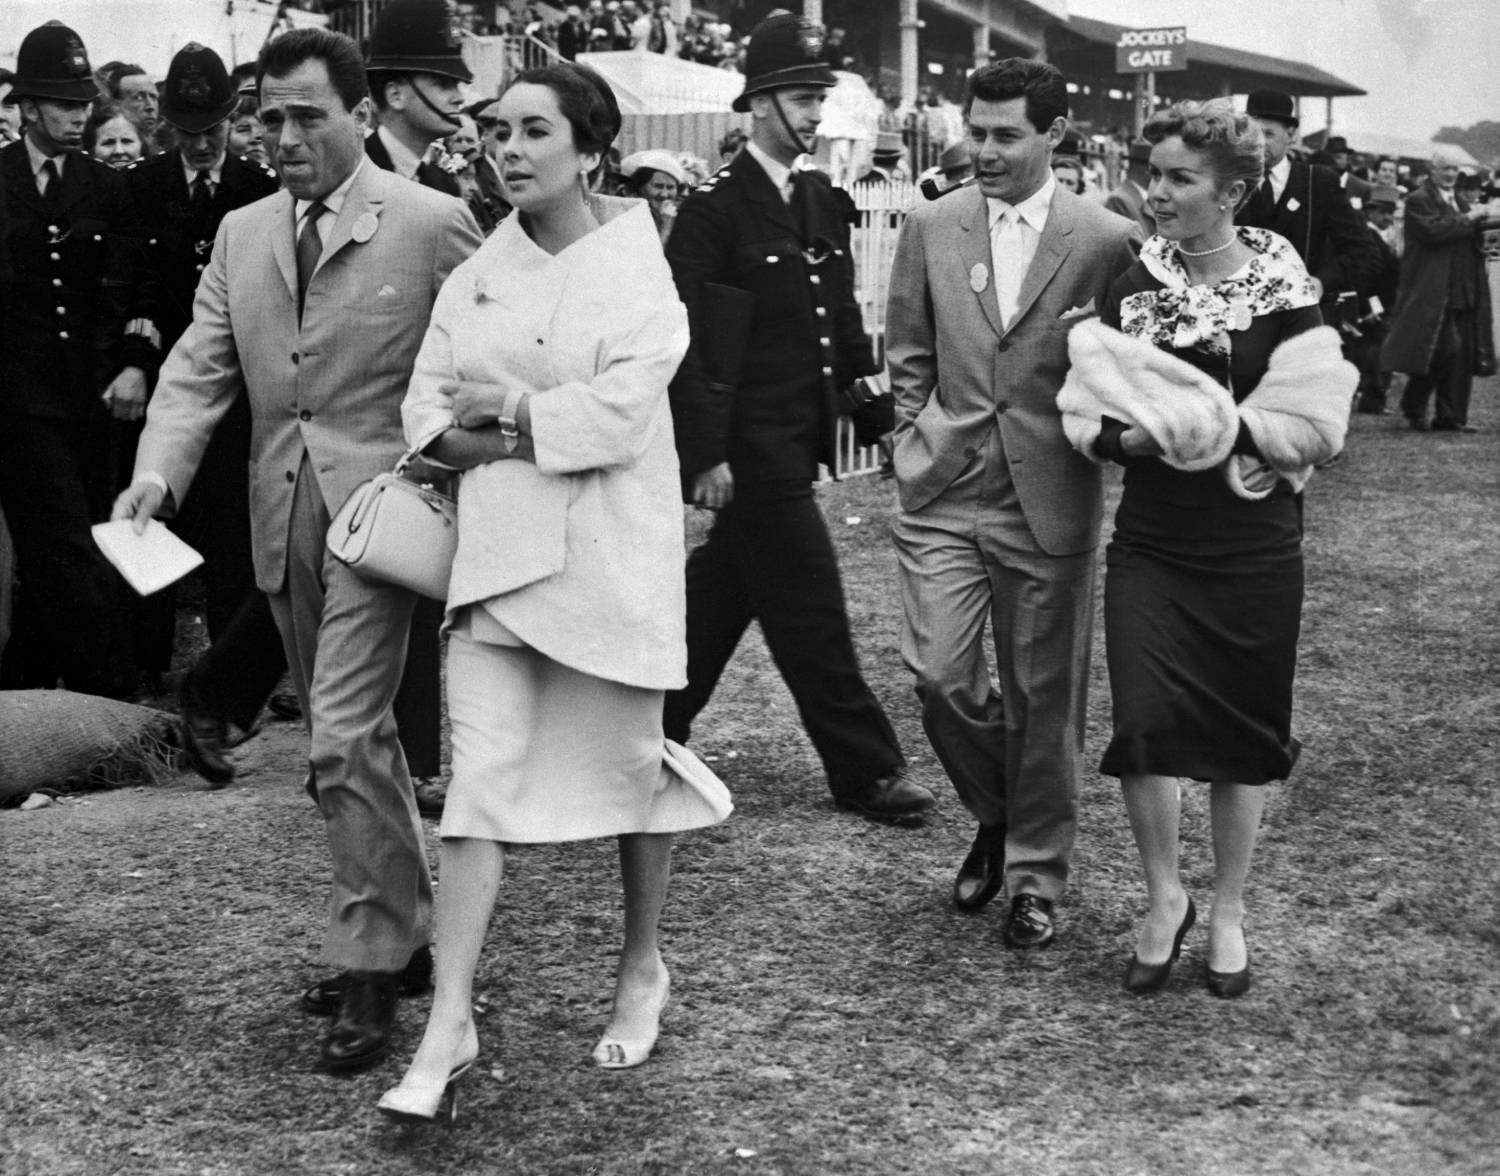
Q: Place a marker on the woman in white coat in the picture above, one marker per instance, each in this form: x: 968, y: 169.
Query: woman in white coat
x: 565, y: 612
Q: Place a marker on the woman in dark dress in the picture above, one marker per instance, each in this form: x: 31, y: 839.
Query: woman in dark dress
x: 1203, y: 599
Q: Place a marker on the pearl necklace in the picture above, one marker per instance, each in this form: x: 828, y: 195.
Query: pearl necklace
x: 1208, y: 252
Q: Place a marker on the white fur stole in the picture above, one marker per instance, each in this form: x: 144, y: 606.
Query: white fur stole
x: 1297, y: 415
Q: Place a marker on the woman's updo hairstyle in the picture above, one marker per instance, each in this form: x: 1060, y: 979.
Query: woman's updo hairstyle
x: 585, y: 100
x: 1232, y: 143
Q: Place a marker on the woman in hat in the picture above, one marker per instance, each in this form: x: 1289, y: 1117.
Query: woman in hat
x: 566, y: 616
x: 657, y: 178
x: 1209, y: 377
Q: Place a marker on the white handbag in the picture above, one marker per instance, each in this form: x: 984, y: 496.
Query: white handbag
x: 396, y: 531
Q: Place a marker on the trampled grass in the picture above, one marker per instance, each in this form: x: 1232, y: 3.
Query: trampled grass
x: 831, y: 1013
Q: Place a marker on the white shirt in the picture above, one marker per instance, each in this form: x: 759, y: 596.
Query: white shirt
x: 191, y: 174
x: 1278, y: 176
x: 780, y: 173
x: 39, y: 161
x: 333, y: 202
x: 404, y: 162
x: 1033, y: 214
x: 1031, y: 219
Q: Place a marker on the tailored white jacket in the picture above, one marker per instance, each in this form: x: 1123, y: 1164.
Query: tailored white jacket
x: 580, y: 554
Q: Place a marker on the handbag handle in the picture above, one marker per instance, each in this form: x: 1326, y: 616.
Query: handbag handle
x: 410, y: 456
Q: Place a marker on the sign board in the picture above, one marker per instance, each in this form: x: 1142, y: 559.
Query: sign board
x: 1152, y: 50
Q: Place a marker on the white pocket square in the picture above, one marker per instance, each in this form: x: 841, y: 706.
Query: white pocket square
x: 385, y: 291
x: 1079, y: 311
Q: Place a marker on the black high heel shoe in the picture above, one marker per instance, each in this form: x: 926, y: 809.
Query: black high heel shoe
x: 1228, y: 985
x: 1142, y: 978
x: 419, y: 1102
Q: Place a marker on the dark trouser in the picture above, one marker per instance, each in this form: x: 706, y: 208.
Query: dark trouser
x: 768, y: 558
x: 72, y: 610
x: 1374, y: 384
x: 1450, y: 374
x: 419, y: 702
x: 237, y: 673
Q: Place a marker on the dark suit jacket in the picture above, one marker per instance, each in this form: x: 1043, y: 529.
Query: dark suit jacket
x: 178, y: 239
x: 771, y: 412
x: 1127, y: 201
x: 77, y: 283
x: 427, y: 175
x: 1441, y: 259
x: 1314, y: 214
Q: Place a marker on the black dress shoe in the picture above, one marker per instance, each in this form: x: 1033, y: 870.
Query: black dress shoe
x: 361, y: 1033
x: 1229, y: 985
x: 415, y: 979
x: 205, y: 739
x: 431, y: 797
x: 983, y: 872
x: 1029, y: 923
x: 1142, y: 978
x: 890, y: 798
x: 285, y: 707
x: 1418, y: 424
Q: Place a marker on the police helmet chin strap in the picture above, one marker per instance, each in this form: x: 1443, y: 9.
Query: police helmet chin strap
x: 451, y: 119
x: 802, y: 146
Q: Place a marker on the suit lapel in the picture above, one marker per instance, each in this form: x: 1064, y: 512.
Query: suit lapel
x: 363, y: 200
x: 1054, y: 246
x: 974, y: 251
x: 283, y: 240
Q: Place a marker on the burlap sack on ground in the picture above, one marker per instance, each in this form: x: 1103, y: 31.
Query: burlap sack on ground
x: 57, y: 739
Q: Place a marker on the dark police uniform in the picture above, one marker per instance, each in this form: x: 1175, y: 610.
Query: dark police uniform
x: 776, y: 278
x: 416, y: 36
x: 81, y: 309
x: 215, y: 519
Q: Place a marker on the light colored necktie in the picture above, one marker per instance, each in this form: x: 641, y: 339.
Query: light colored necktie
x: 1007, y: 249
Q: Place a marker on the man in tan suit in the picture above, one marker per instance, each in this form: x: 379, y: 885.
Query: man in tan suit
x: 313, y: 305
x: 999, y: 515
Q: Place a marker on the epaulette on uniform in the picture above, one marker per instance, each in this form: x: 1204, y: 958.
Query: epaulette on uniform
x: 713, y: 181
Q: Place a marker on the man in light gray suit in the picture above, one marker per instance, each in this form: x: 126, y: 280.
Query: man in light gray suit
x: 313, y: 305
x: 999, y: 515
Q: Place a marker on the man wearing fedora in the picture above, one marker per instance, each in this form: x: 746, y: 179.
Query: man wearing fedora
x: 77, y: 350
x: 1305, y: 204
x: 1337, y: 149
x: 183, y: 194
x: 313, y: 306
x: 415, y: 68
x: 761, y: 257
x: 886, y: 159
x: 1377, y: 300
x: 1129, y: 199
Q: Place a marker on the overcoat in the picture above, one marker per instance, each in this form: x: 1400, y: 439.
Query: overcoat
x: 1438, y: 238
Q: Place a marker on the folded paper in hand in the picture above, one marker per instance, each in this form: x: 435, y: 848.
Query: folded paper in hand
x: 148, y: 561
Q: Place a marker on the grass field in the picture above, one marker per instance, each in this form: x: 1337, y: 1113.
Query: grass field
x: 831, y: 1012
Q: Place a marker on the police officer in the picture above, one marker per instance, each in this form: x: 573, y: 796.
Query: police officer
x: 761, y: 258
x: 76, y: 351
x: 415, y: 68
x: 183, y: 194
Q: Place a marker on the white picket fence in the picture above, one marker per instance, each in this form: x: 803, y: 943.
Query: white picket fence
x: 882, y: 208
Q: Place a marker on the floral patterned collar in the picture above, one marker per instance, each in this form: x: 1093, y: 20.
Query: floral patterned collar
x: 1183, y: 315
